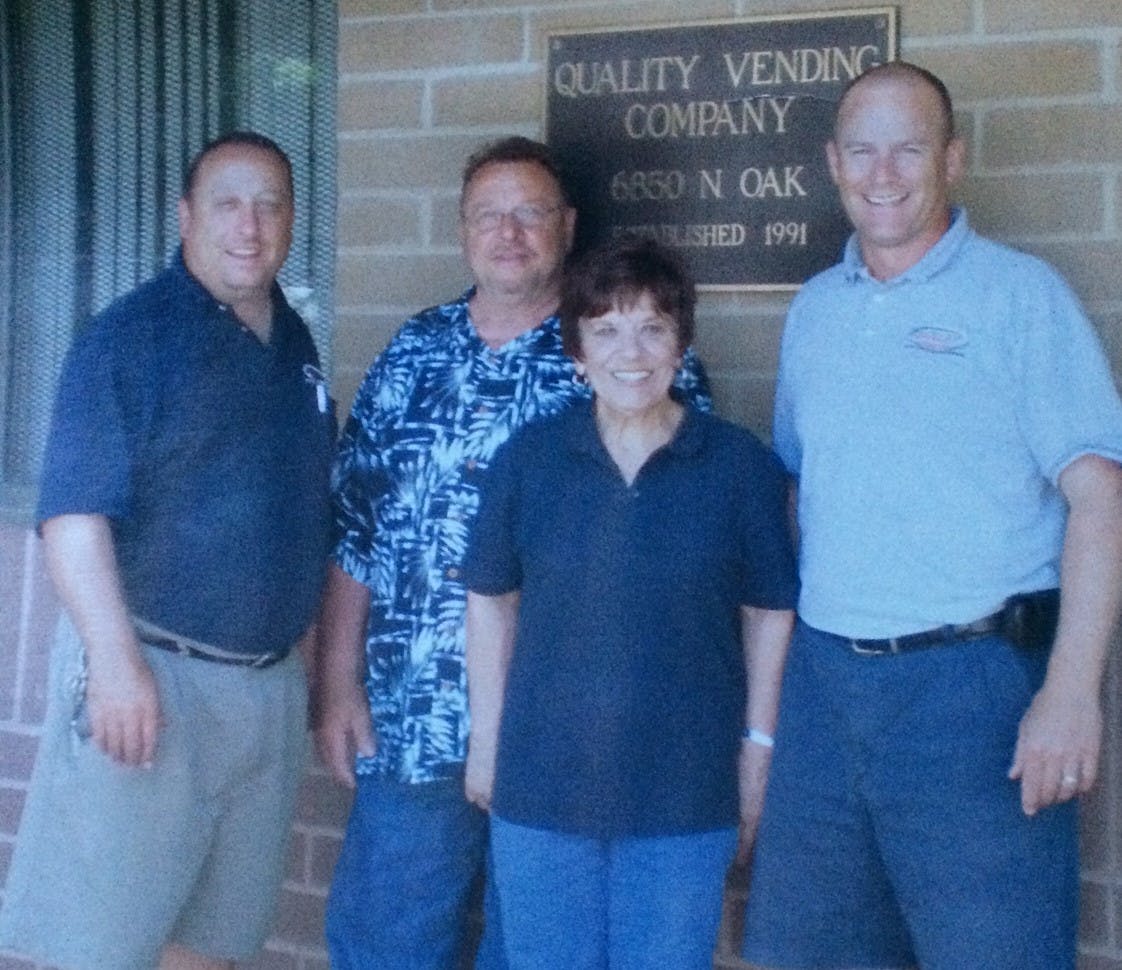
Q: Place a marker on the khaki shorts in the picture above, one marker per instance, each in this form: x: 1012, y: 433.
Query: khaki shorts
x: 112, y: 862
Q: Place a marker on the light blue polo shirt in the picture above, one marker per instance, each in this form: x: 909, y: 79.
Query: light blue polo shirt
x: 927, y: 419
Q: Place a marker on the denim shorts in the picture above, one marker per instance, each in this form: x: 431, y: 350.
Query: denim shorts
x: 113, y: 862
x: 891, y: 835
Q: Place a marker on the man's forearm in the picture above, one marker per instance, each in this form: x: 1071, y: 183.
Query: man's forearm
x: 1090, y: 574
x: 83, y: 566
x: 342, y: 631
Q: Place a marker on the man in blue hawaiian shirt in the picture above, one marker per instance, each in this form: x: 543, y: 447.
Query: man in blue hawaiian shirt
x: 454, y: 383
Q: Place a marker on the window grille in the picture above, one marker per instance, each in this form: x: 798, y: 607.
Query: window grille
x: 101, y: 107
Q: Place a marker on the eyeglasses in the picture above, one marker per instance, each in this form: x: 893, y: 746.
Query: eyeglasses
x: 523, y: 216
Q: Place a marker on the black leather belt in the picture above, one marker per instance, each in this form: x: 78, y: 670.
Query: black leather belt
x: 950, y: 633
x: 1027, y: 620
x: 157, y: 636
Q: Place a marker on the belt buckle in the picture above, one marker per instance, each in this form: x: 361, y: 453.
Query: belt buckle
x: 855, y: 646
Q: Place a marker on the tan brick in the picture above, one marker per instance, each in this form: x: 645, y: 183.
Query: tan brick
x: 412, y: 281
x: 624, y: 14
x: 366, y: 221
x: 379, y: 8
x: 466, y: 6
x: 358, y: 338
x: 1109, y: 327
x: 746, y: 343
x: 300, y: 919
x: 1027, y: 15
x: 1090, y: 267
x: 369, y: 105
x: 1015, y: 70
x: 745, y: 400
x: 501, y: 100
x: 424, y: 161
x: 446, y: 220
x: 415, y: 43
x: 1084, y: 134
x: 1033, y: 205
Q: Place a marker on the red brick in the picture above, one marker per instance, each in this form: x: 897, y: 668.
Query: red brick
x: 272, y: 960
x: 17, y: 755
x: 41, y: 622
x: 296, y: 867
x: 11, y: 808
x: 1094, y: 914
x: 323, y: 803
x: 300, y: 919
x: 323, y: 852
x: 12, y: 568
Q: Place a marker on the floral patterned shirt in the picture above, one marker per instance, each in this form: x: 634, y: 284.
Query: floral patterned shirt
x: 430, y: 414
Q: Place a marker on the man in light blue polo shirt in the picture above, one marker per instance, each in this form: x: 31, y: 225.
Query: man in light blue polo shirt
x: 955, y: 435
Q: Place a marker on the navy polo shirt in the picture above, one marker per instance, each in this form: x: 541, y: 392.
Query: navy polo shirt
x: 626, y: 690
x: 208, y: 452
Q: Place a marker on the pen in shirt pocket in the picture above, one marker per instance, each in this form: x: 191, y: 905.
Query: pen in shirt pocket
x: 313, y: 375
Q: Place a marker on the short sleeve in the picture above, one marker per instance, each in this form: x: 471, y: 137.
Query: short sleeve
x: 358, y: 478
x: 493, y: 565
x: 86, y: 467
x: 770, y: 569
x: 1069, y: 404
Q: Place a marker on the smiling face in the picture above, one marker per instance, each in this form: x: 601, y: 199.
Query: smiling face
x: 893, y: 165
x: 629, y: 356
x: 515, y: 229
x: 236, y: 225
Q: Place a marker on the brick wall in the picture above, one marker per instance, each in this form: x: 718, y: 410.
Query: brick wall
x: 1038, y: 88
x: 1038, y: 85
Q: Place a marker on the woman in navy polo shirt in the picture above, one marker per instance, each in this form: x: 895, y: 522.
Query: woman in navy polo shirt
x: 632, y: 588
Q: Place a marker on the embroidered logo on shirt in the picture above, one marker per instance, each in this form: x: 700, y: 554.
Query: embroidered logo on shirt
x: 937, y: 340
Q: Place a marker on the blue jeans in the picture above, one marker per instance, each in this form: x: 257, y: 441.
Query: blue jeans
x: 891, y: 834
x: 402, y: 893
x: 570, y: 902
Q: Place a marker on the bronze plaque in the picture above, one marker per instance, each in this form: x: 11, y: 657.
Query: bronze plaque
x: 710, y: 137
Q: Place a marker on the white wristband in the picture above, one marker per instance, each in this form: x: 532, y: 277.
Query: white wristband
x: 758, y: 737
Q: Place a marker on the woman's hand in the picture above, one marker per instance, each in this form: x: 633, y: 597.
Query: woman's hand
x: 479, y: 774
x: 752, y: 769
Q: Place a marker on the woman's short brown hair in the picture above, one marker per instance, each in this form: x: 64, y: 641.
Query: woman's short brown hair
x: 618, y: 273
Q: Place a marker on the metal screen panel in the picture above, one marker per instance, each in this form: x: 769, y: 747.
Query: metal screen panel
x: 101, y: 107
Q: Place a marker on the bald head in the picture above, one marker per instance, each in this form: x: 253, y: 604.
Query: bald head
x: 909, y: 73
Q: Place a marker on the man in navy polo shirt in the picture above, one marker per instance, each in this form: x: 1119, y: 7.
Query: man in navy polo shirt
x: 184, y: 516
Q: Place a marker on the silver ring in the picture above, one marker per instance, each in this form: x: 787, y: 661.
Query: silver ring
x: 1069, y: 780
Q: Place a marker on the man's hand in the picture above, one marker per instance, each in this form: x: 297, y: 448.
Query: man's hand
x: 479, y: 775
x: 124, y: 710
x: 1057, y: 753
x: 342, y: 730
x: 752, y: 769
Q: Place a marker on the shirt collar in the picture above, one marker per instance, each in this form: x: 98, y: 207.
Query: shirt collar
x: 195, y: 290
x: 460, y: 317
x: 934, y: 261
x: 583, y: 438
